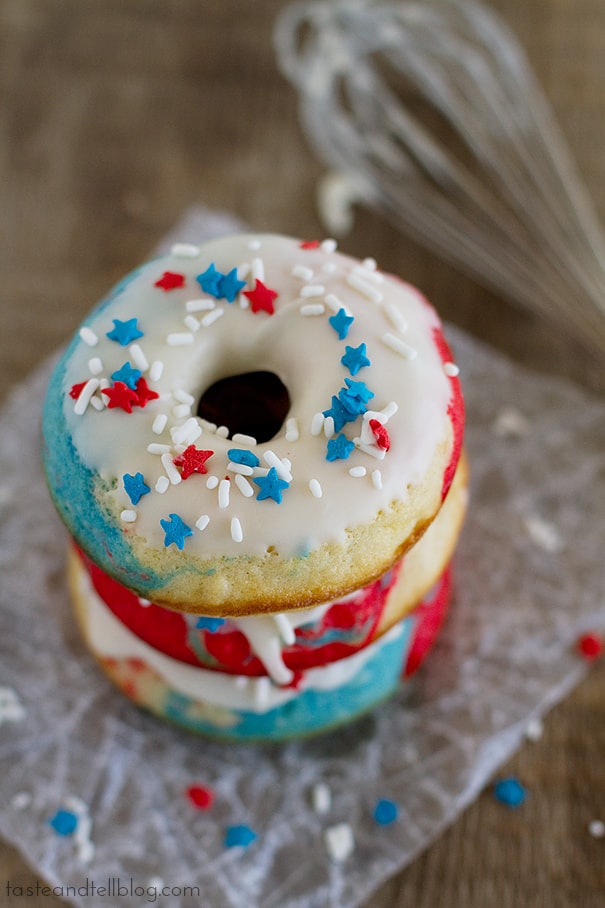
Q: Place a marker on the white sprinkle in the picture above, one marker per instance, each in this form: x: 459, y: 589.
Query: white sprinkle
x: 328, y: 245
x: 85, y: 395
x: 313, y: 309
x: 244, y: 486
x: 155, y: 373
x: 258, y: 269
x: 312, y: 290
x: 253, y: 245
x: 138, y: 357
x: 451, y: 369
x: 329, y: 426
x: 321, y: 798
x: 157, y: 448
x: 88, y: 336
x: 237, y: 534
x: 543, y: 534
x: 21, y: 800
x: 185, y: 250
x: 273, y: 460
x: 285, y: 629
x: 369, y: 264
x: 291, y: 429
x: 335, y: 303
x: 212, y: 317
x: 192, y: 323
x: 261, y: 691
x: 534, y: 730
x: 377, y: 479
x: 202, y: 522
x: 212, y: 482
x: 184, y: 397
x: 315, y: 488
x: 396, y: 317
x: 398, y: 346
x: 244, y: 302
x: 199, y: 305
x: 224, y: 491
x: 339, y: 841
x: 304, y: 273
x: 181, y: 411
x: 596, y: 828
x: 385, y: 414
x: 374, y: 277
x: 241, y: 439
x: 144, y: 603
x: 222, y: 432
x: 97, y: 403
x: 242, y: 469
x: 171, y: 471
x: 317, y: 423
x: 128, y: 516
x: 328, y: 267
x: 189, y: 432
x: 183, y: 339
x: 95, y: 365
x: 363, y: 287
x: 357, y: 472
x: 371, y: 449
x: 162, y: 484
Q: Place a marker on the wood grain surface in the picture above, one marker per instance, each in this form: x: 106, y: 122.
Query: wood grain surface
x: 115, y: 116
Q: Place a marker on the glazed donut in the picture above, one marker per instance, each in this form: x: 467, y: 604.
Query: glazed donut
x: 253, y: 426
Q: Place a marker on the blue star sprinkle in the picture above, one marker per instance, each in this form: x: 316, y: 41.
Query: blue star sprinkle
x: 124, y: 333
x: 240, y: 455
x: 341, y: 322
x: 205, y: 623
x: 135, y: 486
x: 64, y: 822
x: 509, y: 792
x: 230, y: 285
x: 176, y: 530
x: 339, y: 448
x: 239, y: 835
x: 355, y: 358
x: 271, y: 486
x: 355, y: 396
x: 210, y: 281
x: 385, y: 812
x: 127, y: 375
x: 340, y: 414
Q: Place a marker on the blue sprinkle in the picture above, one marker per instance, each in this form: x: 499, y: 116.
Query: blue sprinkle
x: 135, y: 486
x: 239, y: 835
x: 271, y: 486
x: 341, y: 322
x: 124, y: 333
x: 385, y: 812
x: 204, y: 623
x: 210, y: 281
x: 509, y: 792
x: 127, y: 375
x: 175, y: 530
x: 238, y: 455
x: 339, y: 448
x: 355, y: 358
x: 340, y: 414
x: 64, y: 822
x: 230, y: 285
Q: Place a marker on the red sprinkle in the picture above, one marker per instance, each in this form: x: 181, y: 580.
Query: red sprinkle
x: 120, y: 395
x: 144, y: 392
x: 380, y: 434
x: 261, y: 298
x: 192, y: 460
x: 310, y: 244
x: 591, y: 646
x: 76, y: 390
x: 170, y: 280
x: 200, y: 796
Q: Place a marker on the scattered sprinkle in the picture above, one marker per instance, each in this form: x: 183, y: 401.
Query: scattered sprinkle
x: 247, y: 458
x: 239, y: 835
x: 202, y: 522
x: 357, y: 472
x: 451, y: 370
x: 510, y: 792
x: 304, y: 273
x: 321, y: 798
x: 385, y: 812
x: 339, y: 841
x: 180, y: 339
x: 380, y: 434
x: 175, y: 531
x: 315, y: 488
x: 192, y: 323
x: 156, y: 447
x: 311, y: 309
x: 362, y: 286
x: 292, y: 433
x: 199, y: 305
x: 139, y: 358
x: 329, y: 245
x: 329, y: 427
x: 339, y: 448
x: 159, y: 423
x: 282, y: 470
x: 399, y: 346
x: 171, y: 471
x: 85, y: 396
x: 240, y: 438
x: 244, y: 486
x: 396, y: 317
x: 185, y: 250
x: 261, y: 297
x: 64, y: 822
x: 591, y: 646
x: 237, y: 534
x: 88, y: 336
x: 186, y: 434
x: 155, y: 372
x: 200, y: 796
x: 95, y: 365
x: 127, y: 375
x: 311, y: 290
x: 170, y: 280
x: 224, y: 491
x: 355, y: 358
x: 162, y: 485
x: 271, y: 486
x: 341, y: 322
x: 124, y: 333
x: 211, y: 317
x: 128, y: 516
x: 212, y: 482
x: 135, y: 486
x: 317, y: 424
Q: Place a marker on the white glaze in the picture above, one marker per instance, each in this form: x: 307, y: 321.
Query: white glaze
x: 305, y: 353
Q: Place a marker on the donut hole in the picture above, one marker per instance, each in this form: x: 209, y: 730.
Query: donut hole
x: 253, y: 403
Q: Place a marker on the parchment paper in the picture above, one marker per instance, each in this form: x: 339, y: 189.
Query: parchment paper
x: 530, y: 577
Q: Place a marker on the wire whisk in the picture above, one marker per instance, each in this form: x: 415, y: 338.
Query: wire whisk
x: 431, y: 114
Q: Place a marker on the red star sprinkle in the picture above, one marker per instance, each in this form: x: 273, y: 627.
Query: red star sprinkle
x: 120, y: 395
x: 192, y: 460
x: 591, y: 646
x: 380, y: 434
x: 170, y: 280
x: 310, y: 244
x: 144, y: 393
x: 200, y: 796
x: 261, y: 298
x: 76, y: 390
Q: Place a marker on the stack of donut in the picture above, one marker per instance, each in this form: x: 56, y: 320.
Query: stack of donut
x: 256, y: 447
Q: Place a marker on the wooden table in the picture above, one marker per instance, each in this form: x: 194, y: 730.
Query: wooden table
x: 117, y: 116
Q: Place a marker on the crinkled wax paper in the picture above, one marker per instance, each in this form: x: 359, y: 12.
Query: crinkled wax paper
x: 530, y: 577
